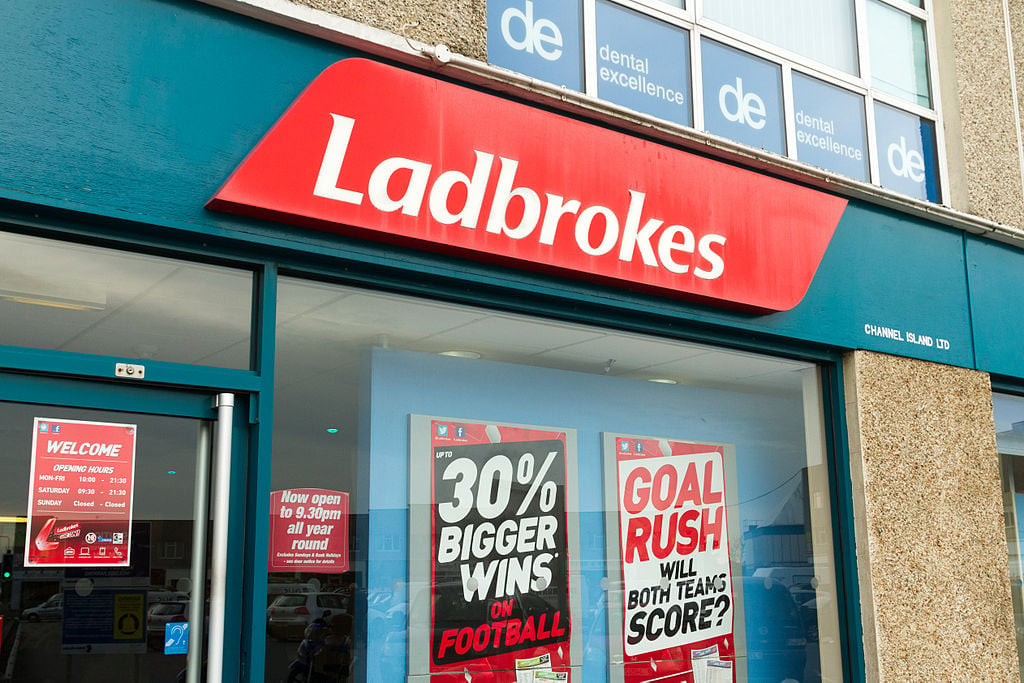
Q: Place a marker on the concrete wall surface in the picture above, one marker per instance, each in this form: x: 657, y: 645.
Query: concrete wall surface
x: 459, y: 24
x: 931, y: 544
x: 985, y: 105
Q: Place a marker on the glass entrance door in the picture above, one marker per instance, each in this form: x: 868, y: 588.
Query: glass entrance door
x: 106, y: 530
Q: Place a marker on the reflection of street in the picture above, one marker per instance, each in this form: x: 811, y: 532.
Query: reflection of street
x: 279, y: 656
x: 327, y: 667
x: 38, y: 659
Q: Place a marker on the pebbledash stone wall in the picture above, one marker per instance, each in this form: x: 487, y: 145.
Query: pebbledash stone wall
x: 459, y: 24
x: 931, y: 544
x: 982, y: 117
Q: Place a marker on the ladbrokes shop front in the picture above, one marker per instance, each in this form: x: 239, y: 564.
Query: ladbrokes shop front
x: 334, y: 357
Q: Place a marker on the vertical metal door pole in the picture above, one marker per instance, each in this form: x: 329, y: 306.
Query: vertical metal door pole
x: 219, y: 551
x: 200, y: 521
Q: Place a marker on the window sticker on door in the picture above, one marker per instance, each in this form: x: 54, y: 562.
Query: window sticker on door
x: 80, y: 494
x: 308, y: 531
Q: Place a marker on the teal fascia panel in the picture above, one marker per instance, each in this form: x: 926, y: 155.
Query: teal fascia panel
x: 996, y: 273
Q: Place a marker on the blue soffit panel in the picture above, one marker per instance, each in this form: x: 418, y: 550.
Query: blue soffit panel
x: 997, y: 280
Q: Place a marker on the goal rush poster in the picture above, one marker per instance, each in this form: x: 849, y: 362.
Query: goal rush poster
x: 677, y: 601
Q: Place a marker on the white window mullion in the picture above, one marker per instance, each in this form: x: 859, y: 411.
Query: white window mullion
x: 696, y: 80
x: 589, y: 48
x: 789, y: 110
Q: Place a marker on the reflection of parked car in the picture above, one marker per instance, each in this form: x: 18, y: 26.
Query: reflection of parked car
x: 809, y: 613
x: 160, y: 614
x: 802, y: 592
x: 290, y: 614
x: 51, y: 610
x: 276, y: 588
x: 155, y: 595
x: 804, y: 595
x: 776, y: 641
x: 787, y: 576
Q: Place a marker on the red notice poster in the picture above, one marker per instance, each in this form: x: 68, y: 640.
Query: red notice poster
x: 308, y: 531
x: 678, y: 605
x: 80, y: 494
x: 501, y: 556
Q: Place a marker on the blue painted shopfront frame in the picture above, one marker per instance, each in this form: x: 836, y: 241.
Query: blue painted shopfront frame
x: 153, y: 104
x: 85, y: 392
x: 214, y: 85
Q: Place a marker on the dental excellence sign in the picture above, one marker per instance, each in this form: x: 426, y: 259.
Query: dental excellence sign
x: 80, y: 494
x: 375, y: 151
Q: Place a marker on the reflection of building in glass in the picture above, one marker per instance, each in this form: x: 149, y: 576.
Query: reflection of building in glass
x: 1011, y: 449
x: 784, y: 538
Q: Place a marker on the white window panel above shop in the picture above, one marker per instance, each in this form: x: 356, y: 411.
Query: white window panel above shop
x: 899, y: 63
x: 67, y: 297
x: 820, y: 30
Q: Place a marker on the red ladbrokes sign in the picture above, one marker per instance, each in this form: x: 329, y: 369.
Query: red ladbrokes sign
x: 387, y: 154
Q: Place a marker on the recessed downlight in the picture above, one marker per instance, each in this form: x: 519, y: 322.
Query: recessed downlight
x: 461, y: 354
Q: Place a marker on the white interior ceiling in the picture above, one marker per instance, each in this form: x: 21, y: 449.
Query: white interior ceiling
x: 90, y: 300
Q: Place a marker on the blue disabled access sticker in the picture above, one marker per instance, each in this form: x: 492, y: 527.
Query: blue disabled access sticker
x: 176, y: 639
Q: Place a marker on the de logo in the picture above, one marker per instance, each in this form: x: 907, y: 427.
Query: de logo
x: 742, y: 97
x: 538, y: 38
x: 905, y: 163
x: 906, y: 149
x: 742, y: 107
x: 522, y: 30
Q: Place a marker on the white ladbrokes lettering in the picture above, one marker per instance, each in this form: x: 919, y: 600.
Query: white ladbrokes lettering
x: 597, y: 229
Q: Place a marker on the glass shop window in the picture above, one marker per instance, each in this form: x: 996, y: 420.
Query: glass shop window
x: 74, y: 297
x: 461, y: 492
x: 1009, y: 417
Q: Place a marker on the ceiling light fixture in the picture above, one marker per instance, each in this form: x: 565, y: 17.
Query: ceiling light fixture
x: 662, y: 380
x: 461, y: 354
